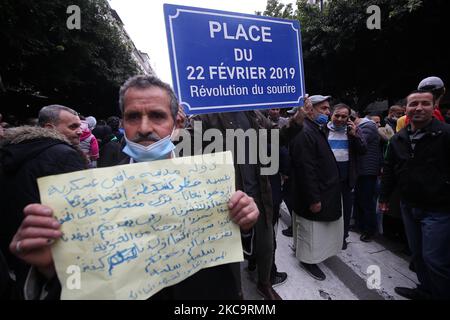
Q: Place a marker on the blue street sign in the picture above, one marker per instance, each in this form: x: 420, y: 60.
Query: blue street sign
x: 224, y: 61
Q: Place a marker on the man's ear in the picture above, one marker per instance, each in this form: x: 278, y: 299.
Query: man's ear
x: 49, y: 126
x: 180, y: 120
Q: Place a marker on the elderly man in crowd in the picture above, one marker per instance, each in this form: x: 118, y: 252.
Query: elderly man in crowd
x: 149, y: 109
x: 318, y: 223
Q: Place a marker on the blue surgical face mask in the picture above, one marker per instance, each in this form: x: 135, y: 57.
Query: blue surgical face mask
x: 321, y: 119
x: 156, y: 151
x: 340, y: 128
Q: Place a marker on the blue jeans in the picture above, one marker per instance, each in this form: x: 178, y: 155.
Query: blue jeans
x: 428, y: 234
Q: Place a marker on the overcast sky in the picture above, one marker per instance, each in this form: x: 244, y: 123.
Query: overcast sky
x: 144, y: 22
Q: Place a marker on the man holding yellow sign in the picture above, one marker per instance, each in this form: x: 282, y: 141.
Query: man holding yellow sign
x: 113, y: 223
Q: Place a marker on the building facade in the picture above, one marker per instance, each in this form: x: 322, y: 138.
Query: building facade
x: 141, y: 58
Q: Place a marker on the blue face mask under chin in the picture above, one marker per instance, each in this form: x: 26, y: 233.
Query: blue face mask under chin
x: 321, y: 119
x: 338, y: 128
x: 156, y: 151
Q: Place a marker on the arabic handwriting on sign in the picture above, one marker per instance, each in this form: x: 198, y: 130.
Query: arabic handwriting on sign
x: 91, y: 267
x: 73, y: 185
x: 82, y: 236
x: 199, y: 218
x: 173, y: 239
x: 201, y: 254
x: 88, y: 212
x: 220, y: 257
x: 199, y: 169
x: 164, y: 225
x: 159, y: 173
x: 155, y: 187
x: 167, y: 268
x: 170, y: 279
x: 181, y: 212
x: 124, y: 205
x: 162, y: 199
x: 189, y: 194
x: 100, y: 247
x: 120, y: 194
x: 119, y: 179
x: 103, y: 229
x: 133, y: 295
x: 122, y: 256
x: 215, y: 237
x: 218, y: 180
x: 216, y: 193
x: 187, y: 183
x: 68, y: 217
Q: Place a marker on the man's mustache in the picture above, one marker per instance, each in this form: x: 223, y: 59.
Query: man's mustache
x: 152, y: 137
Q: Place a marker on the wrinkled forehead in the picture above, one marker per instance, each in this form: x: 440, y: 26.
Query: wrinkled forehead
x: 151, y: 96
x: 322, y: 105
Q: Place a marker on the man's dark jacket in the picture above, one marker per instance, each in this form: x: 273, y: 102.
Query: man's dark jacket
x: 8, y: 289
x: 422, y: 174
x: 315, y: 173
x: 26, y: 154
x: 369, y: 163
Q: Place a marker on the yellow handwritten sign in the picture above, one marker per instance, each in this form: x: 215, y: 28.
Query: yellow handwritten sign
x: 131, y: 230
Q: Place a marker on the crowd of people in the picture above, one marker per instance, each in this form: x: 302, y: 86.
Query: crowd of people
x: 339, y: 170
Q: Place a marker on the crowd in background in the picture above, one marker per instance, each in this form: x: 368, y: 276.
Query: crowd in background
x: 340, y: 170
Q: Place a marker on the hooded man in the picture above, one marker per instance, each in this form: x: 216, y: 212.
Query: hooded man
x: 28, y: 153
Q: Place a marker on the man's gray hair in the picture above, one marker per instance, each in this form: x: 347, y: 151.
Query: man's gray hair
x: 144, y: 82
x: 50, y: 114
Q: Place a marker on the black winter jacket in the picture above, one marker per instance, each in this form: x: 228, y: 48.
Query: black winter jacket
x: 316, y: 174
x: 28, y: 153
x: 8, y: 290
x: 422, y: 175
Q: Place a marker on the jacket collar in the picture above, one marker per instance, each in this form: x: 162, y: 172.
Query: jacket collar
x: 434, y: 128
x: 27, y: 133
x: 315, y: 125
